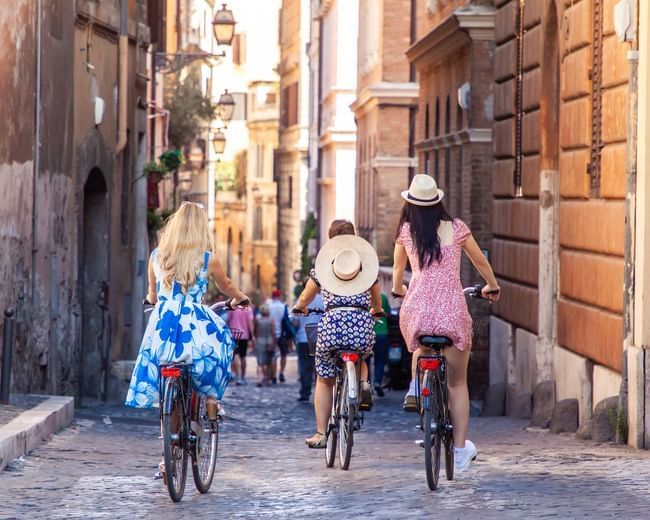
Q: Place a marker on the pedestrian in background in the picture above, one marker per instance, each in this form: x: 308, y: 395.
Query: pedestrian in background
x: 305, y: 359
x: 265, y: 344
x: 381, y: 346
x: 284, y: 334
x: 241, y: 319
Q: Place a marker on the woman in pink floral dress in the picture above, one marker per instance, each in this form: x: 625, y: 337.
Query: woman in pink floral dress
x: 434, y: 302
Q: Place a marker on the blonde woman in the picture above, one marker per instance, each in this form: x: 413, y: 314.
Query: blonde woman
x: 181, y: 328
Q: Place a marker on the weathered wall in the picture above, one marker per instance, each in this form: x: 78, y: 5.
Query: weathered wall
x: 41, y: 245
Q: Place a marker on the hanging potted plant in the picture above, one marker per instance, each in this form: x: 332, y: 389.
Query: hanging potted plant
x: 155, y: 171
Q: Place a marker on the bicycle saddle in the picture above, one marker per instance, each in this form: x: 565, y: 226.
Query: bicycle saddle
x: 436, y: 342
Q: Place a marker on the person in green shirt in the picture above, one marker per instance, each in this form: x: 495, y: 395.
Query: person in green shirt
x: 381, y: 345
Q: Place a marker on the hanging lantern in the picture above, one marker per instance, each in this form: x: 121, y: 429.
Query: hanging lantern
x: 219, y: 142
x: 226, y: 106
x: 223, y: 26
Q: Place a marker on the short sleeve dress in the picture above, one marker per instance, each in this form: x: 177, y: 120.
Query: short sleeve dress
x: 434, y: 302
x: 351, y: 328
x: 182, y: 329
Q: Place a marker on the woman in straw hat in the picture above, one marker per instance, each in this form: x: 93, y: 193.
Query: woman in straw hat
x: 434, y: 303
x: 346, y: 274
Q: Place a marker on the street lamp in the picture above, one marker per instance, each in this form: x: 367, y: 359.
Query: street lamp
x: 226, y: 106
x: 223, y: 25
x: 219, y: 142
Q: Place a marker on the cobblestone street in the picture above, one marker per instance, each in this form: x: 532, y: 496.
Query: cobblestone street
x: 104, y: 468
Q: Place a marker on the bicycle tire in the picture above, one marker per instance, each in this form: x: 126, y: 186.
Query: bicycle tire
x: 204, y: 455
x: 346, y: 425
x: 332, y: 431
x: 448, y: 434
x: 432, y: 444
x: 175, y: 454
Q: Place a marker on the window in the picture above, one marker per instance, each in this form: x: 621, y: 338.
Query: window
x: 258, y: 276
x: 258, y: 230
x: 437, y: 123
x: 436, y: 166
x: 289, y: 105
x: 459, y: 117
x: 239, y: 49
x: 448, y: 116
x: 426, y: 121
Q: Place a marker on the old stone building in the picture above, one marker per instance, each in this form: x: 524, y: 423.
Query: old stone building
x: 334, y: 67
x: 73, y: 129
x: 452, y: 55
x: 291, y: 168
x: 559, y: 185
x: 385, y: 110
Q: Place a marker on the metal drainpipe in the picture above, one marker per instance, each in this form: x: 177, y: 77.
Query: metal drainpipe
x: 123, y: 48
x: 37, y: 147
x: 630, y: 217
x: 412, y: 110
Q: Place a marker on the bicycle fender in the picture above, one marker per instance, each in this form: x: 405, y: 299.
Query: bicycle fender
x: 168, y: 398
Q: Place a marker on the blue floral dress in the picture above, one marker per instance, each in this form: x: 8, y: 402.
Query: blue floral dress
x: 182, y: 329
x: 342, y: 329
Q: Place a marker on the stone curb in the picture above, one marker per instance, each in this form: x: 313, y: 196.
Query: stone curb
x: 33, y: 426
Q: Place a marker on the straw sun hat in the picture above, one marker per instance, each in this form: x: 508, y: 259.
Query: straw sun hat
x: 347, y: 265
x: 423, y: 191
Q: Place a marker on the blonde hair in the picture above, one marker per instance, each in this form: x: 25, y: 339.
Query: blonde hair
x: 183, y: 243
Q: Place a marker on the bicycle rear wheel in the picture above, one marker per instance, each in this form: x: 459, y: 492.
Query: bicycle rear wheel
x: 204, y: 456
x: 432, y: 437
x: 447, y: 432
x: 332, y: 428
x: 346, y: 424
x: 174, y: 452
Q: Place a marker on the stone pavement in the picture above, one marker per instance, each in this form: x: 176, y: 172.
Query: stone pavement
x: 101, y: 468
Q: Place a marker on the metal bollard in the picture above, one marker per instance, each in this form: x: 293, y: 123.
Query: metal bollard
x: 7, y: 350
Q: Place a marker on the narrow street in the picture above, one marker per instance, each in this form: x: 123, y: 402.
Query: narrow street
x: 94, y: 469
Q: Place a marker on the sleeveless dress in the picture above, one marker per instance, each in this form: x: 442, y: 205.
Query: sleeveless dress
x: 342, y: 329
x: 182, y: 329
x: 434, y: 302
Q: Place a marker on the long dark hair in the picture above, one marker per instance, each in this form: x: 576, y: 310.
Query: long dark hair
x: 424, y: 222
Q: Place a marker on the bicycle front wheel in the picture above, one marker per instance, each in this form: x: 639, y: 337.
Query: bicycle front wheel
x: 432, y: 438
x: 204, y: 457
x: 346, y: 424
x: 332, y: 428
x: 174, y: 452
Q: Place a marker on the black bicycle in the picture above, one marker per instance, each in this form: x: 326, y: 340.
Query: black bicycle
x: 187, y: 430
x: 432, y: 402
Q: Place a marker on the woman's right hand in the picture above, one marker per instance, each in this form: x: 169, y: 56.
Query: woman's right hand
x: 239, y: 299
x: 491, y: 293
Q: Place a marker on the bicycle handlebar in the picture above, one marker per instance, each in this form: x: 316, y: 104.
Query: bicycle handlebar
x: 310, y: 311
x: 219, y: 306
x: 477, y: 292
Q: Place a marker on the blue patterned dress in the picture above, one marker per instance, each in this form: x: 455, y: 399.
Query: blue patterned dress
x: 342, y: 329
x: 182, y: 329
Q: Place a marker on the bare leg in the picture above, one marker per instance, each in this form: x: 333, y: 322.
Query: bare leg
x: 235, y: 366
x: 364, y: 370
x: 283, y: 363
x: 323, y: 401
x: 457, y: 361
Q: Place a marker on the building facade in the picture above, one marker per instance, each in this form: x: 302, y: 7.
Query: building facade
x: 291, y: 167
x: 335, y: 51
x: 453, y: 57
x: 385, y: 109
x: 70, y: 162
x: 559, y: 185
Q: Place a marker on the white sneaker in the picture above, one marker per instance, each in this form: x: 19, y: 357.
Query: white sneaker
x: 463, y: 456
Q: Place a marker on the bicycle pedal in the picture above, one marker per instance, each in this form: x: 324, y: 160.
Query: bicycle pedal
x: 419, y: 443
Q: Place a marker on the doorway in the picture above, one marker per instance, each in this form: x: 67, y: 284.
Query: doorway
x: 95, y: 334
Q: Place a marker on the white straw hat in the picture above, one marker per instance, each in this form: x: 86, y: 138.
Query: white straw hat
x: 423, y: 191
x: 347, y: 265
